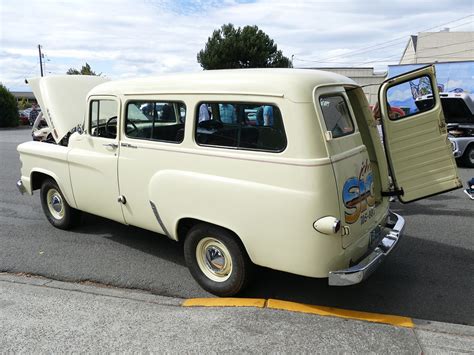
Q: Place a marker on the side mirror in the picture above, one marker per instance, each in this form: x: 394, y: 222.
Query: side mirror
x: 79, y: 129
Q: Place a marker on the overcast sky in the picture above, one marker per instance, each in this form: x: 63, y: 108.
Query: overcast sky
x: 128, y: 38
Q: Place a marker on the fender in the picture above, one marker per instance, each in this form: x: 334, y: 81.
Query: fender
x: 248, y: 208
x: 53, y: 161
x: 65, y: 188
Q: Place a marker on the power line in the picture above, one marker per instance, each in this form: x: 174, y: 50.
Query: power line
x: 415, y: 56
x: 411, y: 56
x: 387, y: 60
x: 384, y: 44
x: 398, y: 39
x: 391, y: 45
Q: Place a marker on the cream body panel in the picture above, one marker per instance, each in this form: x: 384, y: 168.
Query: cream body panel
x: 418, y: 148
x: 93, y: 169
x: 49, y: 159
x: 294, y: 84
x: 249, y: 202
x: 354, y: 173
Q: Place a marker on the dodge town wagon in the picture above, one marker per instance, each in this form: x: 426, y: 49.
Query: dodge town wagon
x: 282, y: 168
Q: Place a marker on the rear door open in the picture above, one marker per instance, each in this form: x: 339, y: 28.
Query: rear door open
x: 416, y: 143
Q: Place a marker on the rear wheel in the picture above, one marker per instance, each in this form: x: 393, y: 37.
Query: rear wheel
x: 468, y: 156
x: 217, y: 261
x: 55, y: 207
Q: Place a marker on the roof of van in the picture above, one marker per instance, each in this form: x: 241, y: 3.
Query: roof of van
x: 295, y: 84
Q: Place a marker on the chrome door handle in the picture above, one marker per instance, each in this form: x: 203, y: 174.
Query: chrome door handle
x: 111, y: 145
x: 128, y: 145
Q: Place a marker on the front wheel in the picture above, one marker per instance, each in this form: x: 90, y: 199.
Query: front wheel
x: 55, y: 207
x: 468, y: 156
x: 216, y: 260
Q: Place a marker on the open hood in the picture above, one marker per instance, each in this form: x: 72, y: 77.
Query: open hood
x: 456, y: 110
x: 63, y: 100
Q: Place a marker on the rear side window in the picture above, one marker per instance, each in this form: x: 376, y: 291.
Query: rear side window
x: 155, y: 120
x: 336, y: 115
x: 240, y: 125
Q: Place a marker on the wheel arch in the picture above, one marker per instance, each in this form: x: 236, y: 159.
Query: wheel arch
x: 185, y: 224
x: 37, y: 178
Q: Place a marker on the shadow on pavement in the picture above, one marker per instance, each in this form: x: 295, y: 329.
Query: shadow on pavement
x: 133, y: 237
x: 417, y: 280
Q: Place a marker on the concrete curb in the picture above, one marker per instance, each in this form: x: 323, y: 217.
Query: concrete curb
x: 145, y: 296
x: 119, y: 319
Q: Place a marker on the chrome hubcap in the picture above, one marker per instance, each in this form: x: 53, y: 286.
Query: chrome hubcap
x: 214, y: 259
x: 55, y: 204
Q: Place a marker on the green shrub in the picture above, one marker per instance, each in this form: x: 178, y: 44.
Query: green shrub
x: 8, y: 108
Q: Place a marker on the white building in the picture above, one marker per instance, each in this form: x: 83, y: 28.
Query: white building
x: 444, y: 46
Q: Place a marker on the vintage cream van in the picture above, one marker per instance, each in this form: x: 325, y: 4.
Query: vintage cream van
x: 282, y: 168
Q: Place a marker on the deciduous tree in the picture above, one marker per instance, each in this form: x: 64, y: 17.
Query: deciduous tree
x: 85, y: 70
x: 246, y: 47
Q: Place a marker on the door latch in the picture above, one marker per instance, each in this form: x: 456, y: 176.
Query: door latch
x: 111, y: 145
x: 121, y: 199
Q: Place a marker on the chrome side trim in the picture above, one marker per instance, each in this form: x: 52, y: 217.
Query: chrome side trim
x: 393, y: 231
x: 20, y: 186
x: 128, y: 145
x: 158, y: 218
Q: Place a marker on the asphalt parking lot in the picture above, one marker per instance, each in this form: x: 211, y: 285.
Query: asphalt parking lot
x: 430, y: 276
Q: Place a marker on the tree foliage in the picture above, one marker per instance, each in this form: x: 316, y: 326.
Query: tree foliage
x: 8, y: 108
x: 23, y: 104
x: 247, y: 47
x: 85, y: 70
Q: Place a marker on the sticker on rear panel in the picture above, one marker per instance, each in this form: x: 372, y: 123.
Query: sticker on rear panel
x: 358, y: 196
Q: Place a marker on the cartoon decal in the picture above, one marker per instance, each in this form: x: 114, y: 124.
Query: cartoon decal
x: 357, y: 195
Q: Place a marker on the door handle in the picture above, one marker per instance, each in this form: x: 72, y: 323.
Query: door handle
x: 111, y: 145
x: 128, y: 145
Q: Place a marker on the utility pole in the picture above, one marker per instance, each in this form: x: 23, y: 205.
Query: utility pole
x: 41, y: 59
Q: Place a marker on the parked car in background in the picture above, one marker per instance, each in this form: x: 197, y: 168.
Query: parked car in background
x: 24, y: 117
x: 34, y: 112
x: 458, y: 108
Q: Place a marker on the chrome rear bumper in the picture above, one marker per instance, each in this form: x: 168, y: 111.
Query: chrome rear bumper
x: 364, y: 268
x: 21, y: 187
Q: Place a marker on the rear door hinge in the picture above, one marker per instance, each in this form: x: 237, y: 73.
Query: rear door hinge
x: 395, y: 192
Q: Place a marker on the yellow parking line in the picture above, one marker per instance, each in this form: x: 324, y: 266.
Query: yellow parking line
x: 301, y: 308
x: 342, y: 313
x: 224, y: 302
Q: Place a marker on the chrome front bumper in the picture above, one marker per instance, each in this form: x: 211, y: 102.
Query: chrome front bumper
x: 364, y: 268
x: 21, y: 187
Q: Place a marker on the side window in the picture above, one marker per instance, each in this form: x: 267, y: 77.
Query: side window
x: 155, y: 120
x: 409, y: 98
x: 240, y: 125
x: 336, y: 115
x: 103, y: 118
